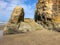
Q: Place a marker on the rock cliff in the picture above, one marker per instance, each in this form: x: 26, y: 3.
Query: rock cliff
x: 47, y: 13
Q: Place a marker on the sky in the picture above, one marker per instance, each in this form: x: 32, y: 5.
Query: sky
x: 7, y: 7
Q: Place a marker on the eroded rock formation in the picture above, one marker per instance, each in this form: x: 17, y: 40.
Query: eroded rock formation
x: 14, y: 22
x: 19, y: 24
x: 17, y: 15
x: 47, y: 12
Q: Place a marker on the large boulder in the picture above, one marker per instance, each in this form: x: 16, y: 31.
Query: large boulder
x: 13, y: 24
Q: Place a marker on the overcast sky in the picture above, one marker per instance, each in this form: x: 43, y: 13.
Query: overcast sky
x: 7, y: 6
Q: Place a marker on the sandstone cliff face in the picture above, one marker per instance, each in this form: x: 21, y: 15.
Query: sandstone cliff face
x: 56, y: 10
x: 47, y: 12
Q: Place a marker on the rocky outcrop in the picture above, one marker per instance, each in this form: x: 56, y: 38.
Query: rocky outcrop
x: 29, y: 25
x: 47, y: 12
x: 17, y: 15
x: 13, y: 24
x: 22, y: 27
x: 19, y: 24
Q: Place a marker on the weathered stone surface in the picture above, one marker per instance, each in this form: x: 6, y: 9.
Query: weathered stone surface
x: 17, y: 15
x: 13, y: 24
x: 29, y: 25
x: 22, y: 27
x: 47, y: 12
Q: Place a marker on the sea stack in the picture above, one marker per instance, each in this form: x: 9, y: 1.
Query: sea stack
x: 14, y: 23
